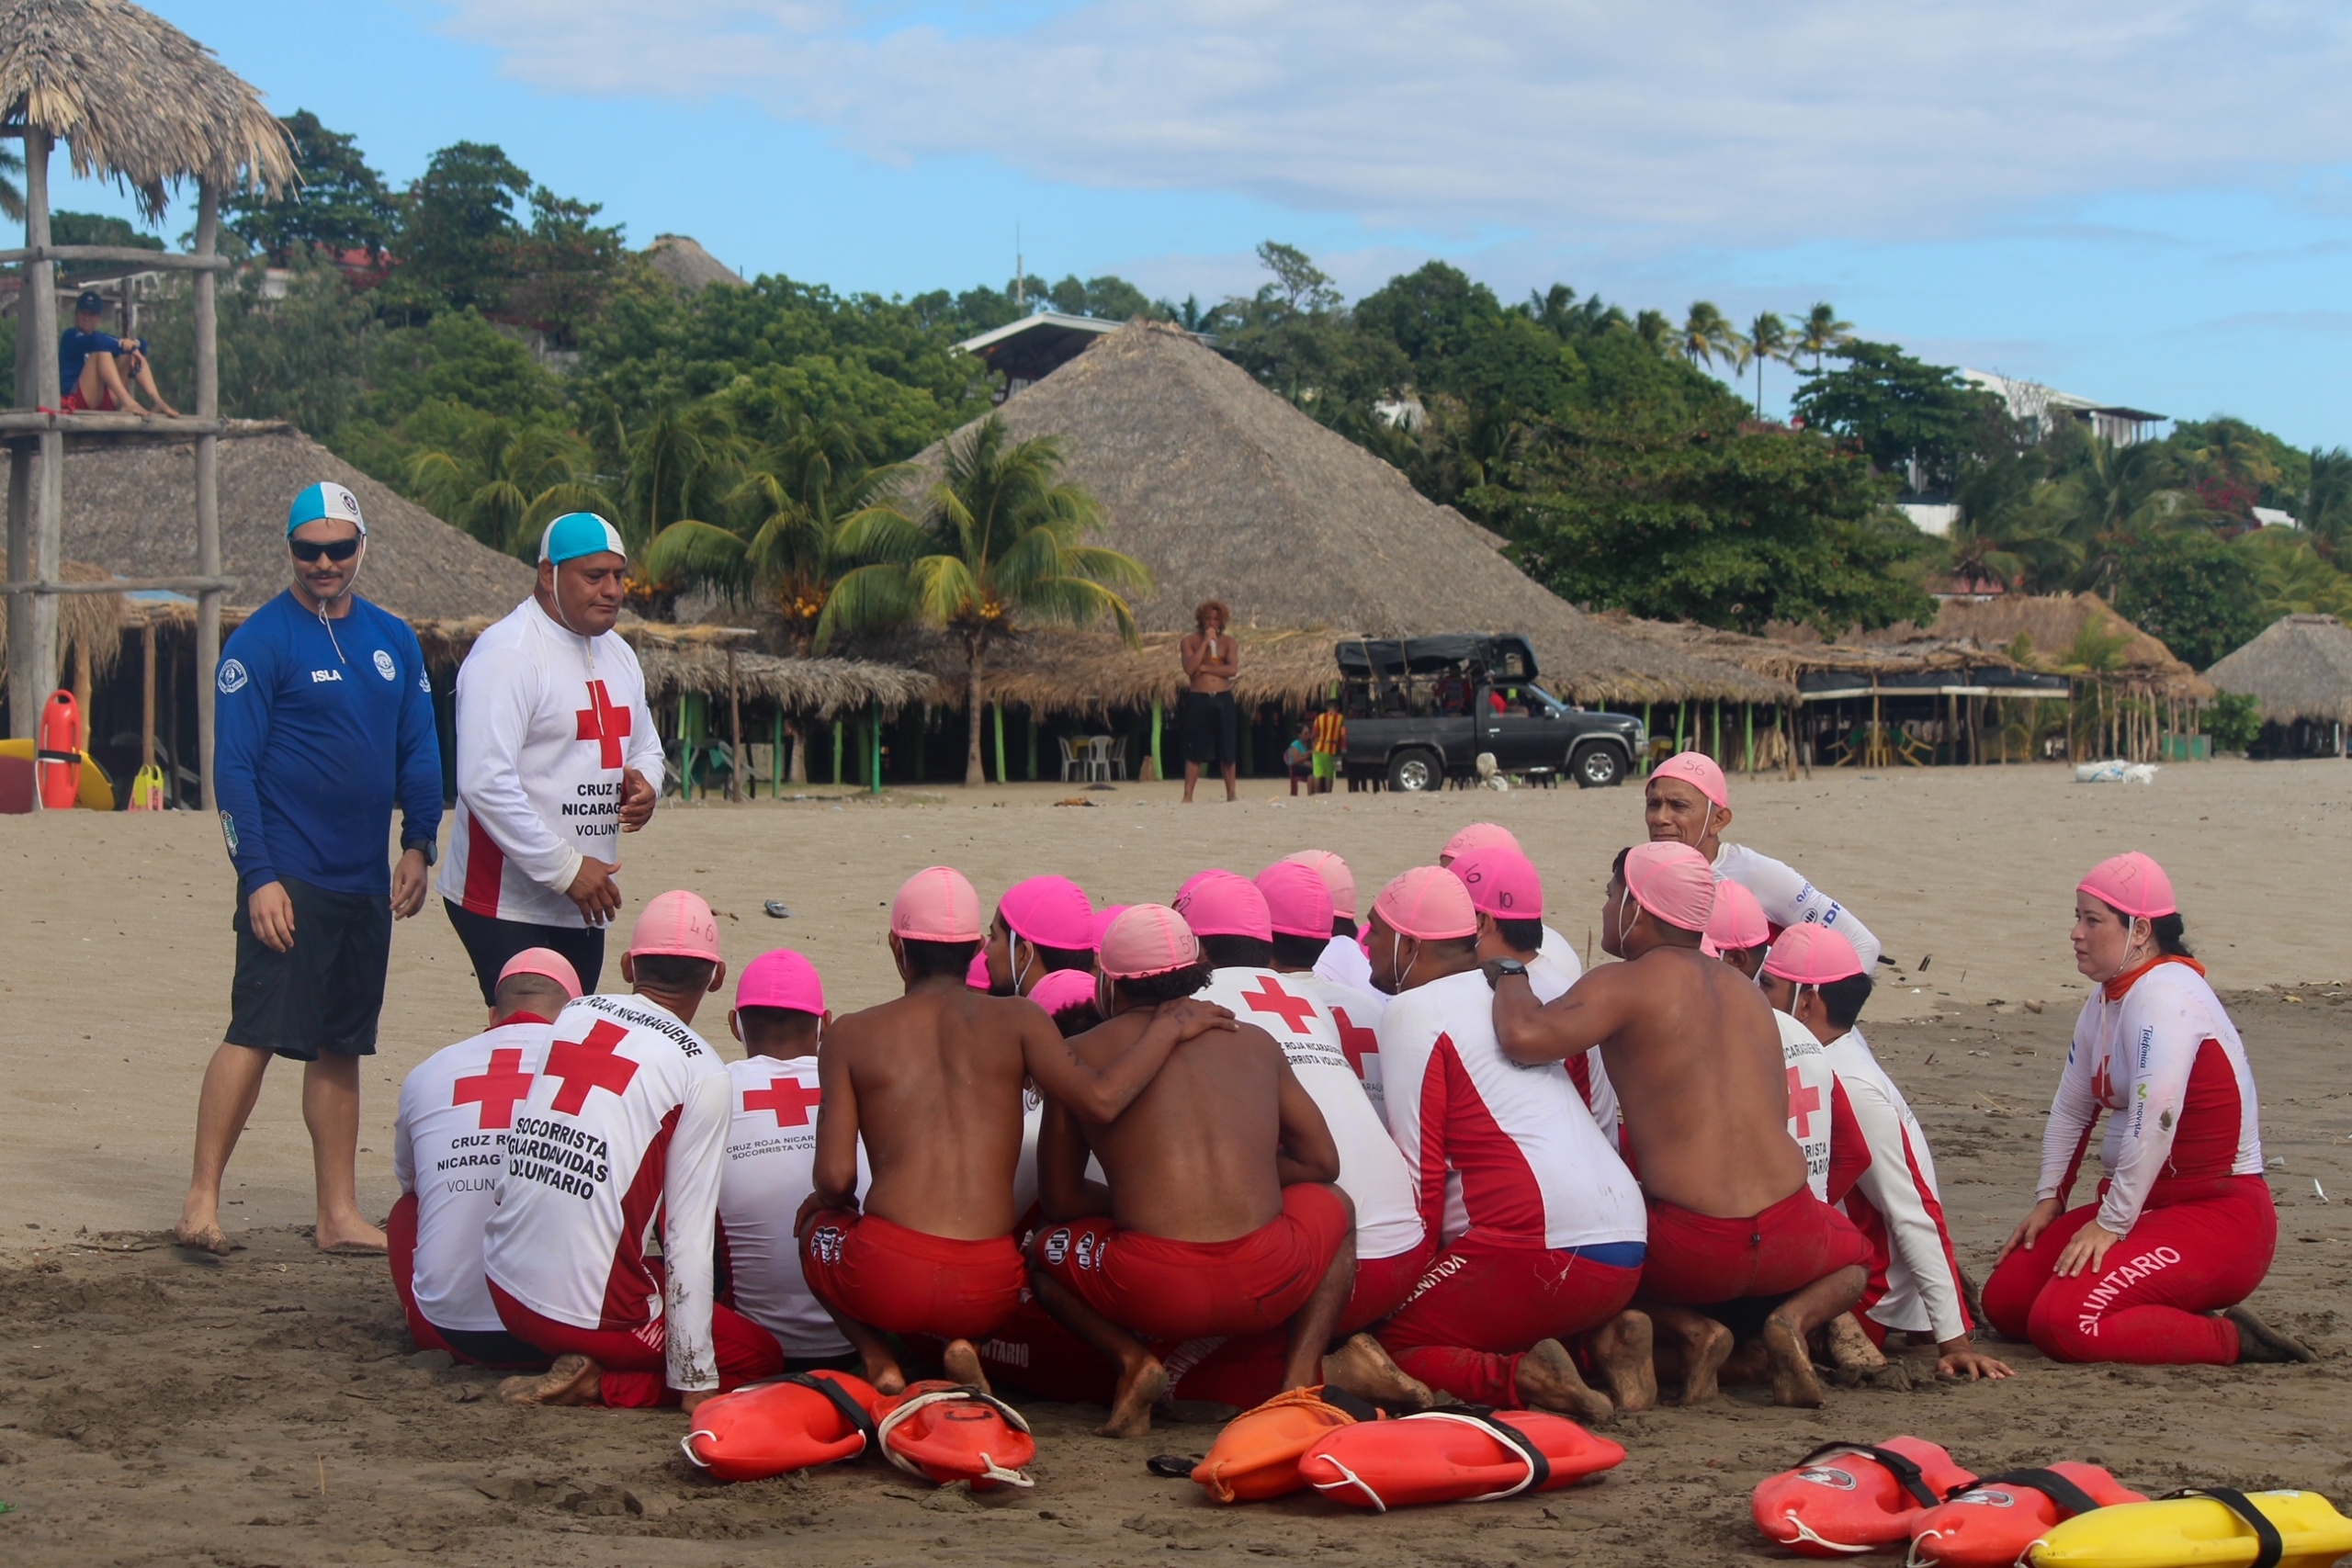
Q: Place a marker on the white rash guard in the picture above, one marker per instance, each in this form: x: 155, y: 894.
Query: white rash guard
x: 2158, y: 1050
x: 1812, y: 1084
x: 1344, y: 963
x: 1356, y: 1016
x: 1371, y: 1173
x: 448, y: 1143
x: 1895, y: 1204
x: 1550, y: 980
x: 626, y: 1122
x: 1550, y: 1179
x: 1790, y: 900
x: 771, y: 1156
x: 547, y: 722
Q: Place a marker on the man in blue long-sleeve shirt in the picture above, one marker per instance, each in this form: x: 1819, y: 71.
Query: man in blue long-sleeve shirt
x: 325, y: 718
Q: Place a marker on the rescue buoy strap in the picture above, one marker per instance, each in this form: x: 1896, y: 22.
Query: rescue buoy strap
x: 2270, y: 1546
x: 839, y: 1398
x: 48, y: 756
x: 1539, y: 1467
x: 2070, y: 1497
x: 1906, y: 1472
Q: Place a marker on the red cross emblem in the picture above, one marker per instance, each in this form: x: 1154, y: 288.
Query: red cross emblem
x: 588, y: 1064
x: 601, y: 721
x: 1296, y: 1011
x: 496, y: 1090
x: 1803, y: 1100
x: 787, y: 1098
x: 1355, y: 1041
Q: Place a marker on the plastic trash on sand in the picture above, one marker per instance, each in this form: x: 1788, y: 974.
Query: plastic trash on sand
x: 2115, y: 770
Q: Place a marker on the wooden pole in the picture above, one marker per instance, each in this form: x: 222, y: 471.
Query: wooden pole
x: 146, y: 694
x: 1158, y: 769
x: 208, y: 478
x: 1029, y: 725
x: 875, y: 772
x: 33, y: 662
x: 172, y: 724
x: 837, y: 751
x: 734, y: 728
x: 998, y: 712
x: 1747, y: 712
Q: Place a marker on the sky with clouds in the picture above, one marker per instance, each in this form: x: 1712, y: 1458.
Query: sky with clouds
x: 2144, y: 203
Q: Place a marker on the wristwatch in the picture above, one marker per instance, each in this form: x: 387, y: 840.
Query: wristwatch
x: 1502, y: 966
x: 429, y: 848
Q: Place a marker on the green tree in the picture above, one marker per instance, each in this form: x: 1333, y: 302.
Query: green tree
x: 2291, y: 577
x: 564, y: 267
x: 1822, y: 335
x: 2185, y: 585
x: 12, y: 195
x: 1767, y: 339
x: 1656, y: 332
x: 505, y: 483
x: 2326, y: 508
x: 458, y: 232
x: 1296, y: 339
x: 1109, y: 298
x: 1707, y: 336
x: 996, y: 542
x: 1899, y: 410
x: 340, y: 204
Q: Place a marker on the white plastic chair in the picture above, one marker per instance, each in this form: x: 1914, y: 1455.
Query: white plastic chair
x: 1071, y: 761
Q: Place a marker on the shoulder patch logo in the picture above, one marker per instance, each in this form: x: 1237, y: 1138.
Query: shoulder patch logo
x: 385, y: 667
x: 424, y: 683
x: 232, y: 677
x: 228, y: 832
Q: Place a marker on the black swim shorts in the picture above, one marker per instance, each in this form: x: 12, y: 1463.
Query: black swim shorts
x: 324, y: 993
x: 1212, y: 727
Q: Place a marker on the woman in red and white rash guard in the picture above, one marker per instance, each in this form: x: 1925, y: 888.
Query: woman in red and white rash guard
x: 2182, y: 1224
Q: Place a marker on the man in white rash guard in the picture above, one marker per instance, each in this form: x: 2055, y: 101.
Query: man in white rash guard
x: 1507, y: 891
x: 557, y: 756
x: 1687, y: 801
x: 1343, y: 961
x: 448, y: 1144
x: 1298, y: 904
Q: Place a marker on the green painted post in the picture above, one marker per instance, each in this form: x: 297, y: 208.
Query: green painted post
x: 1719, y: 747
x: 1681, y: 712
x: 1749, y: 710
x: 1158, y: 771
x: 837, y: 751
x: 1000, y: 741
x: 778, y: 764
x: 1649, y: 733
x: 876, y: 772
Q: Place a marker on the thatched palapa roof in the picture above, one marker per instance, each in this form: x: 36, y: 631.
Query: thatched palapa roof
x: 2054, y: 624
x: 1227, y: 491
x: 2300, y: 668
x: 135, y: 99
x: 95, y: 621
x: 1789, y: 658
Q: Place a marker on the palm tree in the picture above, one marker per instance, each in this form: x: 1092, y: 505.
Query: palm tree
x: 503, y: 484
x: 683, y: 463
x: 1768, y: 338
x: 1821, y: 335
x: 995, y: 541
x: 12, y: 195
x: 1706, y: 333
x: 2327, y: 496
x: 1656, y: 329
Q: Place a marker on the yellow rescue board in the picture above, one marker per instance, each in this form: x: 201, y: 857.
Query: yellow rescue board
x: 2196, y: 1532
x: 92, y: 791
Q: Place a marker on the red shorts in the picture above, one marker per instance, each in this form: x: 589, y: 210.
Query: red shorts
x: 1482, y: 1303
x: 73, y: 403
x: 906, y: 1281
x: 1162, y: 1289
x: 1699, y: 1260
x: 477, y: 1347
x: 636, y: 1362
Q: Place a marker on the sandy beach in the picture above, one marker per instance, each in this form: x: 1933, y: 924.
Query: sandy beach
x: 266, y: 1409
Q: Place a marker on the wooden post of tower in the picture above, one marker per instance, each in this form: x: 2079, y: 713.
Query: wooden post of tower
x: 36, y: 495
x: 208, y: 481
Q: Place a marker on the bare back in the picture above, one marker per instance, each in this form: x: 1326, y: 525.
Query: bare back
x: 937, y: 1077
x: 1196, y: 1156
x: 1698, y: 1068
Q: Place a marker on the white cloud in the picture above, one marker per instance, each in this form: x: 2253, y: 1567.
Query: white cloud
x: 1677, y: 122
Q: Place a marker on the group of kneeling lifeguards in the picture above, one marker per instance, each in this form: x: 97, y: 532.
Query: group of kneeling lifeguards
x: 1232, y: 1146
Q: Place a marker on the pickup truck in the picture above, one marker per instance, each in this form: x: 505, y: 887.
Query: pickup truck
x: 1420, y: 711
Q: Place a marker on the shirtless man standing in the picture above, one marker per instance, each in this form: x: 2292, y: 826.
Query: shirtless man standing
x: 1221, y: 1216
x: 1696, y: 1060
x: 932, y: 1082
x: 1212, y: 728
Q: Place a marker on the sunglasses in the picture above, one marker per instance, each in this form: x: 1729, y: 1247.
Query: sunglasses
x: 307, y: 550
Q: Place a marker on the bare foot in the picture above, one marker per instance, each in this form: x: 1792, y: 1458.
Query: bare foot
x: 207, y: 1236
x: 1623, y: 1349
x: 1792, y: 1380
x: 1141, y: 1386
x: 1548, y: 1379
x: 1362, y: 1368
x: 2259, y: 1341
x: 1849, y: 1348
x: 1704, y: 1345
x: 349, y: 1236
x: 573, y: 1379
x: 962, y: 1364
x: 1745, y: 1367
x: 885, y: 1375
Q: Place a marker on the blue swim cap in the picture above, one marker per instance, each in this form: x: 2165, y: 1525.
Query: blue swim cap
x: 325, y: 500
x: 577, y: 534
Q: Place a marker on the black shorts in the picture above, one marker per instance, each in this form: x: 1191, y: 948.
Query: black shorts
x: 1211, y: 729
x: 490, y: 942
x: 324, y: 992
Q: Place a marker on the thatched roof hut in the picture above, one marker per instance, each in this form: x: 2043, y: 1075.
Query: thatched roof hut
x: 1227, y: 491
x: 93, y: 622
x: 124, y: 505
x: 2300, y: 668
x: 2054, y: 627
x: 136, y: 99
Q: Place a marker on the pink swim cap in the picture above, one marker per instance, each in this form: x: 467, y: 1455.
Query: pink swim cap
x: 1427, y: 902
x: 677, y: 924
x: 1297, y: 900
x: 1699, y: 771
x: 1051, y: 911
x: 1501, y: 882
x: 781, y: 978
x: 1673, y: 882
x: 976, y: 972
x: 1101, y: 924
x: 1335, y: 874
x: 544, y: 961
x: 1813, y: 955
x: 1737, y: 921
x: 1478, y: 836
x: 1148, y: 939
x: 936, y: 903
x: 1224, y: 903
x: 1064, y: 988
x: 2131, y: 884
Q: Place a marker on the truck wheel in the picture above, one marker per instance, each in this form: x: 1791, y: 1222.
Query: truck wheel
x: 1597, y: 767
x: 1415, y: 772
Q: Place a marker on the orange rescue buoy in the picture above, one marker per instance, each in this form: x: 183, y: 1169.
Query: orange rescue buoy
x: 787, y: 1423
x: 1992, y: 1523
x: 1849, y: 1497
x: 947, y: 1431
x: 1257, y: 1455
x: 1465, y: 1454
x: 58, y: 760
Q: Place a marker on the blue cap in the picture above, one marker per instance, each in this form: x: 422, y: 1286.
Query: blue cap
x: 577, y: 534
x: 325, y: 500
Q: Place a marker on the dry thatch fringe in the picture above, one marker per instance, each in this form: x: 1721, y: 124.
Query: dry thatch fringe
x: 136, y: 99
x: 1786, y: 659
x: 822, y: 687
x: 2300, y: 668
x: 2054, y: 624
x: 96, y: 621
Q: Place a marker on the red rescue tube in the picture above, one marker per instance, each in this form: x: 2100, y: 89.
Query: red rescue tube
x: 1993, y: 1523
x: 1257, y: 1455
x: 1849, y: 1497
x: 58, y: 756
x: 1466, y: 1455
x: 946, y: 1431
x: 788, y: 1423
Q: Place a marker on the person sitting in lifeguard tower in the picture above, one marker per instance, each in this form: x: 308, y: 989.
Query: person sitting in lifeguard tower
x: 95, y: 368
